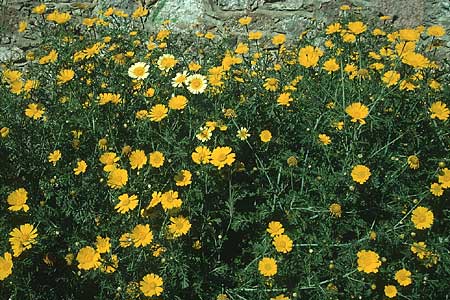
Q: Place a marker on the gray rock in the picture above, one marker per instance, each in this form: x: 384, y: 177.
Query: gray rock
x: 11, y: 54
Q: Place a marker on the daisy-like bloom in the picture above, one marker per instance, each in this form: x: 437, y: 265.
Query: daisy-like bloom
x: 180, y: 79
x: 40, y: 9
x: 81, y: 167
x: 279, y: 39
x: 17, y: 200
x: 105, y: 98
x: 65, y: 76
x: 271, y: 84
x: 409, y: 34
x: 420, y: 249
x: 22, y: 238
x: 156, y: 199
x: 265, y: 136
x: 368, y: 261
x: 202, y: 155
x: 138, y: 159
x: 333, y: 28
x: 244, y: 21
x: 403, y: 277
x: 126, y: 203
x: 357, y: 27
x: 255, y: 35
x: 102, y: 244
x: 358, y: 112
x: 139, y: 12
x: 324, y: 139
x: 158, y: 112
x: 34, y: 111
x: 331, y: 65
x: 222, y: 156
x: 166, y: 62
x: 285, y: 99
x: 51, y: 57
x: 117, y: 178
x: 6, y: 265
x: 204, y: 134
x: 413, y: 162
x: 391, y: 78
x: 179, y: 226
x: 275, y: 228
x: 141, y: 235
x: 196, y: 84
x: 422, y: 217
x: 111, y: 265
x: 243, y: 134
x: 109, y: 159
x: 360, y: 173
x: 59, y: 18
x: 390, y: 291
x: 183, y: 178
x: 241, y: 48
x: 282, y: 243
x: 22, y: 26
x: 88, y: 258
x: 138, y: 71
x: 54, y: 157
x: 415, y: 60
x: 444, y: 178
x: 178, y: 102
x: 436, y: 189
x: 170, y: 200
x: 309, y: 56
x: 4, y: 132
x: 125, y: 240
x: 436, y: 31
x: 156, y: 159
x: 335, y: 210
x: 439, y: 110
x: 151, y: 285
x: 267, y: 266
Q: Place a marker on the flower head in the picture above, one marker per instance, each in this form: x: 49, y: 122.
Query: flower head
x: 265, y: 136
x: 34, y: 111
x: 275, y: 228
x: 158, y: 112
x: 88, y: 258
x: 141, y: 235
x: 179, y: 226
x: 183, y: 178
x: 196, y: 84
x: 202, y: 155
x: 126, y: 203
x: 17, y: 200
x: 22, y: 238
x: 222, y: 156
x: 390, y: 291
x: 138, y: 71
x: 117, y: 178
x: 54, y: 157
x: 403, y: 277
x: 439, y: 110
x: 368, y: 261
x: 80, y: 168
x: 358, y: 112
x: 166, y: 62
x: 267, y: 266
x: 422, y: 217
x: 151, y: 285
x: 6, y: 265
x: 360, y: 173
x: 138, y: 159
x: 282, y: 243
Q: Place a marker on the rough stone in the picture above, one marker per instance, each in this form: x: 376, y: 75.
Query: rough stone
x: 11, y: 54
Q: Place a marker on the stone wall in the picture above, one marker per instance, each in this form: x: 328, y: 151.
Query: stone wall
x: 286, y: 16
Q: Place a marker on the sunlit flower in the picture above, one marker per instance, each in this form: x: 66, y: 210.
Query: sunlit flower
x: 324, y: 139
x: 282, y: 243
x: 138, y: 159
x: 360, y: 174
x: 178, y: 102
x: 151, y: 285
x: 126, y: 203
x: 358, y: 112
x: 34, y: 111
x: 422, y: 217
x: 170, y: 200
x: 65, y: 76
x: 158, y: 112
x: 166, y: 62
x: 88, y: 258
x: 413, y: 162
x: 180, y: 79
x: 22, y: 238
x: 439, y: 110
x: 265, y: 136
x: 80, y: 168
x: 267, y: 266
x: 275, y: 228
x: 141, y: 235
x: 243, y: 134
x: 391, y: 78
x: 117, y: 178
x: 196, y: 84
x: 54, y: 157
x: 368, y: 261
x: 284, y: 99
x: 17, y: 200
x: 309, y: 56
x: 183, y: 178
x: 179, y: 226
x: 403, y: 277
x: 202, y: 155
x: 138, y: 71
x: 390, y: 291
x: 102, y: 244
x: 6, y: 265
x: 156, y: 159
x: 222, y: 156
x: 335, y: 210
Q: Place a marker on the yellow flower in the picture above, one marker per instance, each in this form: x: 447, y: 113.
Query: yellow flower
x: 170, y: 200
x: 436, y: 31
x: 138, y: 159
x: 51, y: 57
x: 335, y: 210
x: 158, y: 112
x: 54, y: 157
x: 333, y: 28
x: 6, y: 265
x: 243, y: 134
x: 40, y: 9
x: 275, y: 228
x: 358, y: 112
x: 140, y: 12
x: 409, y: 34
x: 267, y: 266
x: 22, y: 238
x: 109, y: 159
x: 156, y: 159
x: 422, y: 217
x: 34, y: 111
x: 439, y: 110
x: 331, y: 65
x: 196, y: 84
x: 183, y: 178
x: 279, y: 39
x: 444, y: 178
x: 4, y: 132
x: 241, y: 48
x: 17, y: 200
x: 138, y: 71
x: 436, y: 189
x: 368, y: 261
x: 102, y: 244
x: 125, y: 240
x: 88, y: 258
x: 81, y: 167
x: 391, y: 78
x: 202, y: 155
x: 309, y: 56
x: 255, y: 35
x: 151, y: 285
x: 59, y: 18
x: 413, y: 162
x: 126, y: 203
x: 141, y: 235
x: 245, y: 21
x: 282, y: 243
x: 117, y: 178
x: 390, y: 291
x: 179, y: 226
x: 222, y: 156
x: 271, y: 84
x: 65, y: 76
x: 178, y: 102
x: 166, y: 62
x: 324, y: 139
x: 265, y: 136
x: 415, y: 60
x: 22, y: 26
x: 360, y: 174
x: 357, y: 27
x: 280, y: 297
x: 403, y: 277
x: 285, y: 99
x: 419, y: 249
x: 105, y: 98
